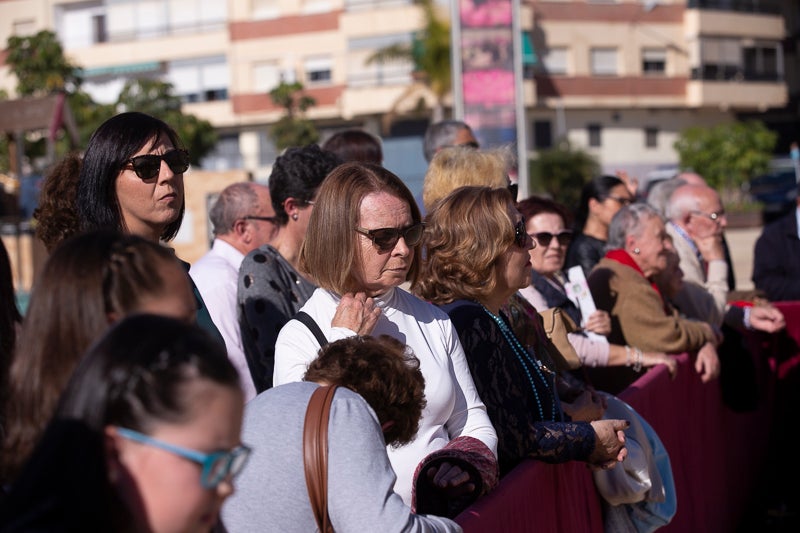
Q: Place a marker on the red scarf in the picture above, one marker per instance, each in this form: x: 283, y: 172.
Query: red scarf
x: 621, y: 256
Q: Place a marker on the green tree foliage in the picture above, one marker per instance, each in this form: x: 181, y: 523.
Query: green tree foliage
x: 41, y: 68
x: 156, y: 98
x: 561, y: 172
x: 727, y: 155
x: 430, y: 53
x: 39, y: 63
x: 292, y: 129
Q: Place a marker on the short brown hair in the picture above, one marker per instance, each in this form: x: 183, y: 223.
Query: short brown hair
x: 384, y: 372
x: 466, y: 233
x: 329, y: 253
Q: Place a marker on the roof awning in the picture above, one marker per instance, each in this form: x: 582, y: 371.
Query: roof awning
x: 121, y: 70
x: 528, y: 54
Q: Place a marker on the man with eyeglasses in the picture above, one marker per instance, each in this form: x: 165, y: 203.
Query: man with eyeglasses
x: 243, y: 219
x: 696, y: 221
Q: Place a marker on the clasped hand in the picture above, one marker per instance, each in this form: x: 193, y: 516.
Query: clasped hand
x: 609, y: 448
x: 356, y: 312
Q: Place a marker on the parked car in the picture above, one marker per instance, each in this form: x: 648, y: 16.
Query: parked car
x: 776, y: 190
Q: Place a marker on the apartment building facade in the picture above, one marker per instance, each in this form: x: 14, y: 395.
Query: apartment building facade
x: 618, y: 78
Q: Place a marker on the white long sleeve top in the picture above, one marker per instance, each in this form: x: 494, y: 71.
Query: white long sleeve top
x: 453, y: 408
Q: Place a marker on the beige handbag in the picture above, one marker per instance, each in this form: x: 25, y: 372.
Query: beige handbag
x: 556, y: 325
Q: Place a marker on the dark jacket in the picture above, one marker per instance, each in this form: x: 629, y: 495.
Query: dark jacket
x: 776, y: 259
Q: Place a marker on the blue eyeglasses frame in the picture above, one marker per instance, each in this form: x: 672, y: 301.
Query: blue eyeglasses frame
x: 235, y: 459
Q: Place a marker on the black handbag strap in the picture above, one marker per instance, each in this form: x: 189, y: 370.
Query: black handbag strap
x: 306, y: 319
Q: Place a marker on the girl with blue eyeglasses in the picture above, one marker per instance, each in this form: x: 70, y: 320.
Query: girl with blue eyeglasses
x: 146, y: 437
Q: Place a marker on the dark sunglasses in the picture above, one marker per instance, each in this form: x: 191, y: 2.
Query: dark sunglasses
x: 544, y: 237
x: 386, y: 238
x: 148, y: 166
x: 520, y: 235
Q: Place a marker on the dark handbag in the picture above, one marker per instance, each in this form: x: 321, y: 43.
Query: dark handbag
x: 315, y: 454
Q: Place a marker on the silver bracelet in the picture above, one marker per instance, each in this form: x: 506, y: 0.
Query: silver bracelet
x: 627, y: 355
x: 637, y: 365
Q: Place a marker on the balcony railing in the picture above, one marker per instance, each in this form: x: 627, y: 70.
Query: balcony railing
x: 732, y: 73
x: 767, y: 7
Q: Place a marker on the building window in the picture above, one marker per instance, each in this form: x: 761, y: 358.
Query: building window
x: 654, y: 61
x: 542, y: 134
x: 761, y: 63
x: 555, y: 61
x: 318, y: 70
x: 603, y: 61
x: 199, y: 80
x: 24, y: 27
x: 594, y: 131
x: 226, y: 154
x: 651, y: 137
x: 81, y: 25
x: 360, y: 73
x: 267, y: 151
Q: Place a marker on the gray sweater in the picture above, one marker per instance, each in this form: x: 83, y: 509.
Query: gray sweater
x: 271, y: 492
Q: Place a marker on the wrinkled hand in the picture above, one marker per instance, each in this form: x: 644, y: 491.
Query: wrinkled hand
x: 587, y: 406
x: 710, y: 246
x: 356, y: 312
x: 659, y: 358
x: 599, y: 322
x: 609, y: 447
x: 450, y: 479
x: 707, y: 363
x: 631, y: 182
x: 767, y: 318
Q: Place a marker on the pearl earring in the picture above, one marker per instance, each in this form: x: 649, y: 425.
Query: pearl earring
x: 294, y: 217
x: 636, y: 251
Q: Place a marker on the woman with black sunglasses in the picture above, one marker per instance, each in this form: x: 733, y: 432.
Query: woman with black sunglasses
x: 131, y: 180
x: 362, y: 243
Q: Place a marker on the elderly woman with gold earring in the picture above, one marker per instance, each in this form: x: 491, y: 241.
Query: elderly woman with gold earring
x: 621, y: 283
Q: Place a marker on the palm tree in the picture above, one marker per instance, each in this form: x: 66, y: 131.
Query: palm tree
x: 430, y: 53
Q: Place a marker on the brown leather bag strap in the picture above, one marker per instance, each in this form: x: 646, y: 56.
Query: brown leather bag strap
x: 315, y: 454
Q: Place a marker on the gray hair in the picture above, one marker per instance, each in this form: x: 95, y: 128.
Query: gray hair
x: 684, y: 202
x: 660, y: 193
x: 441, y: 134
x: 629, y: 221
x: 234, y: 202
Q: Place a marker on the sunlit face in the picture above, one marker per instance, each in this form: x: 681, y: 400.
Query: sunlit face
x: 709, y: 219
x: 618, y: 197
x: 547, y: 259
x: 262, y: 231
x: 652, y: 244
x: 176, y: 300
x: 514, y: 266
x: 149, y: 206
x: 164, y: 490
x: 374, y: 271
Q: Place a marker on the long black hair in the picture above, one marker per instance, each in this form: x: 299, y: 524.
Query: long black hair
x: 109, y: 148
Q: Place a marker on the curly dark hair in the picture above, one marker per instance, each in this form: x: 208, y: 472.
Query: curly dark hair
x: 297, y: 173
x: 56, y: 217
x: 384, y: 372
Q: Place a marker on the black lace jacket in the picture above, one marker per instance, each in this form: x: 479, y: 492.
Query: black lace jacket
x: 503, y: 385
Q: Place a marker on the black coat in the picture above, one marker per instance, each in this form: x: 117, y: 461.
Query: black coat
x: 776, y: 259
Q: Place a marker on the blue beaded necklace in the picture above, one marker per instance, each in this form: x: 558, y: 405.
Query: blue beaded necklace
x: 526, y: 361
